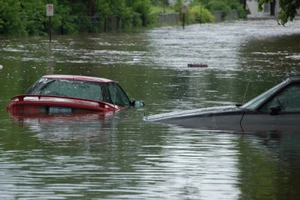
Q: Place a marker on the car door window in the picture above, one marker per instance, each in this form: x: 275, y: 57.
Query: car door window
x: 117, y: 95
x: 288, y: 100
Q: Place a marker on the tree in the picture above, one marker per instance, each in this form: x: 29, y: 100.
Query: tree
x: 11, y: 22
x: 288, y: 9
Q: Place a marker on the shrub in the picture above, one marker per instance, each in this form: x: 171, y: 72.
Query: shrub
x: 199, y: 14
x: 226, y: 7
x: 219, y: 5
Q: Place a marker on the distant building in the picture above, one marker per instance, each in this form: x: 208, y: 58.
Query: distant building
x: 269, y: 9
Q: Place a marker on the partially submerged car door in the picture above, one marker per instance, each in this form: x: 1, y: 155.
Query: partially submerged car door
x: 288, y: 116
x: 258, y: 121
x: 281, y: 112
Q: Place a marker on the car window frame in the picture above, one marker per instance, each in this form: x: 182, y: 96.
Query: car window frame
x: 280, y: 99
x: 117, y: 95
x: 257, y: 102
x: 107, y: 88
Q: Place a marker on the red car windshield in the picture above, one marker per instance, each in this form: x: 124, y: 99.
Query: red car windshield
x: 109, y: 92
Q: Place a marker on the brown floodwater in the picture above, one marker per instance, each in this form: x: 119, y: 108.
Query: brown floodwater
x: 123, y: 157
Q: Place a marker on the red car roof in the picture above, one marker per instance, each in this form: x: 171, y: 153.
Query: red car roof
x: 77, y: 77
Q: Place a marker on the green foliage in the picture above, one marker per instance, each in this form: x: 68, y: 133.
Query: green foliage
x: 33, y: 16
x: 155, y: 10
x: 196, y: 13
x: 219, y: 5
x: 10, y: 16
x: 177, y: 6
x: 160, y: 3
x: 203, y: 2
x: 236, y: 5
x: 28, y: 17
x: 200, y: 11
x: 288, y: 9
x: 142, y: 10
x: 64, y: 22
x: 199, y: 14
x: 22, y: 18
x: 226, y: 6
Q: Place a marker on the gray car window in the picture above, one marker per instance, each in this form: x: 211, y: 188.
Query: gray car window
x: 288, y: 100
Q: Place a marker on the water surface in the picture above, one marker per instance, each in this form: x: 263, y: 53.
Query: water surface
x: 121, y: 156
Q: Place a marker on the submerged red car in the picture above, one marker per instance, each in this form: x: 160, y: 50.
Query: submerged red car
x: 68, y: 94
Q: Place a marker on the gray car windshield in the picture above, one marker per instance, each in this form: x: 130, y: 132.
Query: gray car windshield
x: 257, y: 101
x: 108, y: 92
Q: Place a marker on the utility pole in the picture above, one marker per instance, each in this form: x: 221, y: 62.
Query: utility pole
x: 183, y: 11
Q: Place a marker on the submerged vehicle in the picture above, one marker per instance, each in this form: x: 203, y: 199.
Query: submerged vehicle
x: 71, y: 94
x: 276, y: 109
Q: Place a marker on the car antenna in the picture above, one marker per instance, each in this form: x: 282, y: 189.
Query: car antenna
x: 247, y: 87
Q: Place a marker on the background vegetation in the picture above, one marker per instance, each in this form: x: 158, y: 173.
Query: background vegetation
x: 28, y: 17
x: 288, y: 9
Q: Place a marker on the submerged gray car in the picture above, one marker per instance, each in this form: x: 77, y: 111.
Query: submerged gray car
x: 276, y: 109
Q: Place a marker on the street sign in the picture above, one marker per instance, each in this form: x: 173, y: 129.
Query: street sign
x: 49, y: 13
x: 49, y: 10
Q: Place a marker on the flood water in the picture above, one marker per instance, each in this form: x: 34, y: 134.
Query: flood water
x: 121, y: 156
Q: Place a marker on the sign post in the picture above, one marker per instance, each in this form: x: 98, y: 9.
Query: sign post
x: 183, y: 11
x: 50, y: 13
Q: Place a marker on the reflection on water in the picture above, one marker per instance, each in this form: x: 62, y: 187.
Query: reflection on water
x: 69, y: 126
x: 123, y: 157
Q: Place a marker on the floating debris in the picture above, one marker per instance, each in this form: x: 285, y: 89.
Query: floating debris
x: 197, y: 65
x: 1, y: 67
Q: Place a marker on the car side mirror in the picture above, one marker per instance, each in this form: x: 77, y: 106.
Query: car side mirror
x: 138, y: 104
x: 275, y: 110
